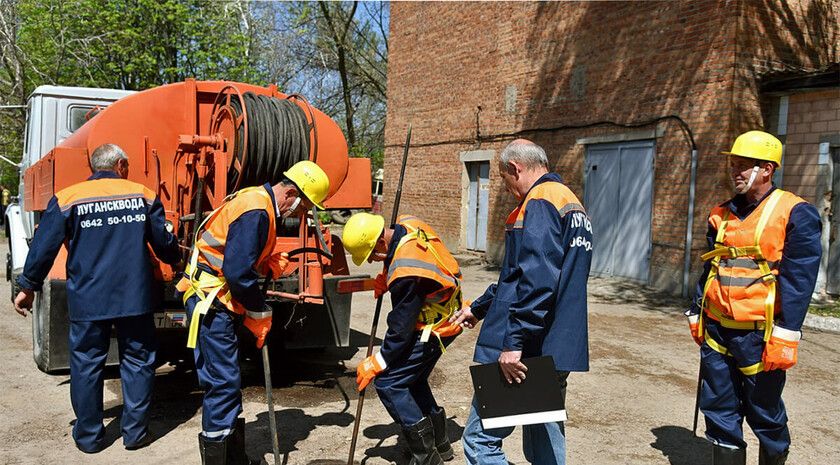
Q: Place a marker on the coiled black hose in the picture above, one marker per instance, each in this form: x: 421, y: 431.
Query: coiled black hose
x: 278, y: 137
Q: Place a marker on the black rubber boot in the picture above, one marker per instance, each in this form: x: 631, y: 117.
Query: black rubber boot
x: 442, y: 444
x: 421, y: 443
x: 212, y: 452
x: 236, y: 446
x: 727, y: 456
x: 766, y: 458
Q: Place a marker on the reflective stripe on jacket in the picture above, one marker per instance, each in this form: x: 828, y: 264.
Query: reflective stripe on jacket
x: 742, y: 283
x: 421, y: 253
x: 209, y: 252
x: 106, y: 223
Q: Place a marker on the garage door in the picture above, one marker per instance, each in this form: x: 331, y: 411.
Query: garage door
x: 618, y: 192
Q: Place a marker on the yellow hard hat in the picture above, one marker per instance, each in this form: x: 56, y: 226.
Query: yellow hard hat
x: 311, y: 180
x: 360, y: 234
x: 757, y: 145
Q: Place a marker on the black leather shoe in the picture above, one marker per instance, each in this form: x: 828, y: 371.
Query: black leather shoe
x: 421, y: 443
x: 767, y: 458
x: 96, y: 449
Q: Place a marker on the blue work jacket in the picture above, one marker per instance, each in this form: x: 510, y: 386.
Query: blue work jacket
x: 798, y: 267
x: 244, y: 244
x: 539, y: 304
x: 106, y: 223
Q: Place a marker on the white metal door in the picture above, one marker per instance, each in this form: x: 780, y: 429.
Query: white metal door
x: 618, y: 197
x: 478, y: 205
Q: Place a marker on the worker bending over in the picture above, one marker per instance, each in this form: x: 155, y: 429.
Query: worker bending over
x: 425, y: 285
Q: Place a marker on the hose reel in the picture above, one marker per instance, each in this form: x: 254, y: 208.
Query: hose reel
x: 268, y: 136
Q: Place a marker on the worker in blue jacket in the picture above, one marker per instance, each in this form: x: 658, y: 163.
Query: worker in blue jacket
x: 106, y: 223
x: 538, y: 307
x: 221, y: 288
x: 751, y: 301
x: 425, y: 285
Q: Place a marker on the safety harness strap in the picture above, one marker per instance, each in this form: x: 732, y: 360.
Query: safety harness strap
x: 443, y: 311
x: 721, y: 349
x: 204, y: 285
x: 727, y: 322
x: 721, y: 251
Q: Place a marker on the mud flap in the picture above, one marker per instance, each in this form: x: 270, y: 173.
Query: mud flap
x: 51, y: 329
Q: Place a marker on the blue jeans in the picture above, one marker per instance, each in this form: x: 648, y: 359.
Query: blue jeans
x: 543, y: 444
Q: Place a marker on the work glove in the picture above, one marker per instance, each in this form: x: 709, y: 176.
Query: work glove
x: 368, y: 369
x: 278, y: 263
x: 260, y: 328
x: 780, y: 352
x: 694, y: 327
x: 380, y: 285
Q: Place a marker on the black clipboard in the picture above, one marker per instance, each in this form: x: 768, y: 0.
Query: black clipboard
x: 537, y: 399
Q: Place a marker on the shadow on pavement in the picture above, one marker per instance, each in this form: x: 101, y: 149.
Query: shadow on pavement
x: 293, y: 426
x: 175, y: 400
x: 680, y: 446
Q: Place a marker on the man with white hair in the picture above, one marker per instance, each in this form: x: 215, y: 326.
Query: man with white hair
x: 538, y: 307
x: 106, y: 222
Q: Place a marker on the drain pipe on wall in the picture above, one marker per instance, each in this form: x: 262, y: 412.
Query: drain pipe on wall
x: 689, y: 228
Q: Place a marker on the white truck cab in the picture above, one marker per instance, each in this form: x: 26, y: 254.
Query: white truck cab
x: 52, y: 114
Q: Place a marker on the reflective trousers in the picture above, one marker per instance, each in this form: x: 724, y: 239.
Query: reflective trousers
x: 727, y: 395
x: 89, y: 341
x: 404, y: 387
x: 216, y: 357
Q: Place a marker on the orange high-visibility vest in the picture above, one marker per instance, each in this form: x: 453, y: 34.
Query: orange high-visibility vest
x: 421, y: 253
x: 210, y: 251
x: 740, y: 291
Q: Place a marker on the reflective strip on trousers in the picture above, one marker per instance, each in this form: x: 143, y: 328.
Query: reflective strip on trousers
x: 217, y: 434
x: 719, y: 348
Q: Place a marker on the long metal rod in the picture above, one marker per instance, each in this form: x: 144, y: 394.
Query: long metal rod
x: 378, y: 309
x: 697, y: 398
x: 272, y: 421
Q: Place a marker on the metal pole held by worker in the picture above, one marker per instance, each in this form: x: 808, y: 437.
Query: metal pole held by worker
x: 272, y: 421
x: 376, y: 312
x: 269, y: 395
x: 697, y: 398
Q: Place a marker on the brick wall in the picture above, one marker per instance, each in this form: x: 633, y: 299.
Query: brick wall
x: 812, y: 116
x: 502, y: 69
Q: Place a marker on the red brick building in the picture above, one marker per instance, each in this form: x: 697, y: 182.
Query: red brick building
x: 620, y: 86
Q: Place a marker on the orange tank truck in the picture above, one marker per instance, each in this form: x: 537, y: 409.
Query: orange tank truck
x: 195, y: 142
